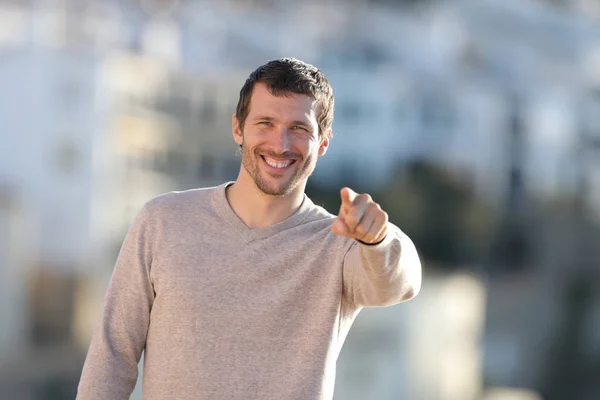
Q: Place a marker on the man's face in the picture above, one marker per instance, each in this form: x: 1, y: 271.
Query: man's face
x: 280, y: 141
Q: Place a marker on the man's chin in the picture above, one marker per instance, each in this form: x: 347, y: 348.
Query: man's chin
x: 275, y: 189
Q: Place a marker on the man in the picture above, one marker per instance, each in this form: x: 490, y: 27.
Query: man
x: 247, y: 290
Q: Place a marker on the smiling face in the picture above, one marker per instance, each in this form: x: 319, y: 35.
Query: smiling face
x: 280, y: 141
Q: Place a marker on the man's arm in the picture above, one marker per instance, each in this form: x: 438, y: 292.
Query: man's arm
x: 382, y: 267
x: 383, y: 274
x: 111, y: 368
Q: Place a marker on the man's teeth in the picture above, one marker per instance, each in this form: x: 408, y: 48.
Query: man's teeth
x: 278, y: 164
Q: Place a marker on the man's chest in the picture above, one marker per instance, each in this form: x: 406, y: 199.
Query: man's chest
x: 275, y: 279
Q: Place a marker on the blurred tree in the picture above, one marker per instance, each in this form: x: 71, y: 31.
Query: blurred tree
x: 572, y: 371
x: 511, y: 247
x: 437, y: 209
x: 573, y: 365
x: 511, y: 242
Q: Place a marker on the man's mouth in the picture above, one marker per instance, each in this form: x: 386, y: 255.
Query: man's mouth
x: 277, y: 163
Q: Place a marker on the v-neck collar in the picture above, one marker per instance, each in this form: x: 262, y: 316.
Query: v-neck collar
x: 250, y: 234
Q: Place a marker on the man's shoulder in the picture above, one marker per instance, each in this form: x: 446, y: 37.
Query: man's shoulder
x: 319, y: 214
x: 182, y: 196
x: 174, y: 201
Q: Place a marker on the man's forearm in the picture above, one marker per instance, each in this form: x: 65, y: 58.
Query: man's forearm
x: 383, y: 274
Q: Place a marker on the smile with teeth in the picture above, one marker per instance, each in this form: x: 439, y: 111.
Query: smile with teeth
x: 277, y: 163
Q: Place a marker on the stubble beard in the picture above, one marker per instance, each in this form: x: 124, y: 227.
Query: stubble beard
x: 251, y: 160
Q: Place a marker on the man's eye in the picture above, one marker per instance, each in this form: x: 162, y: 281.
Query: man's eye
x: 266, y: 123
x: 296, y: 127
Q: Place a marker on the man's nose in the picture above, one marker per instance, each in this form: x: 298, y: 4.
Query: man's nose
x: 283, y: 139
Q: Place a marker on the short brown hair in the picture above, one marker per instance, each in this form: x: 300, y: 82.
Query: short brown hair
x: 289, y: 75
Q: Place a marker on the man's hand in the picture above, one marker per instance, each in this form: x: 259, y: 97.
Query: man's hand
x: 360, y: 218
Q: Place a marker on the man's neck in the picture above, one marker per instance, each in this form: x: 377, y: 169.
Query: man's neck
x: 257, y: 209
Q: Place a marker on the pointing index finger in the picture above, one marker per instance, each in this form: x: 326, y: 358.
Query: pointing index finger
x: 348, y: 196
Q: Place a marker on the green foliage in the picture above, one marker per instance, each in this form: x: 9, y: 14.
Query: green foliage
x: 436, y: 209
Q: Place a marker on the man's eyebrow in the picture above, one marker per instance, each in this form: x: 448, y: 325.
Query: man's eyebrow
x: 271, y: 119
x: 303, y: 123
x: 263, y: 118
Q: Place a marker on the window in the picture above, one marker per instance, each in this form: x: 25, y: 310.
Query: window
x: 437, y: 112
x: 69, y: 94
x: 208, y: 111
x: 13, y: 25
x: 206, y: 167
x: 67, y: 156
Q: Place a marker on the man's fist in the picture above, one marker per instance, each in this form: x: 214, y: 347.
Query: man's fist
x: 360, y: 218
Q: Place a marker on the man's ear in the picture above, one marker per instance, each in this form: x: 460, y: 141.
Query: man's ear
x: 325, y: 142
x: 238, y: 135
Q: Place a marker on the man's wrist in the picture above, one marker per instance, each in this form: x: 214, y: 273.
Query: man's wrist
x: 372, y: 244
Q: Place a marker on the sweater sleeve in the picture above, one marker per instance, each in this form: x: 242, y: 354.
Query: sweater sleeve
x: 383, y: 274
x: 110, y: 370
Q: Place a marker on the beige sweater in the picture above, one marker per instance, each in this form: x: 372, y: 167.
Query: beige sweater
x: 225, y: 312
